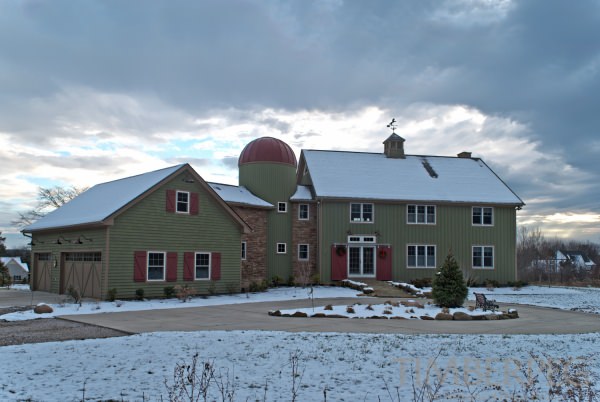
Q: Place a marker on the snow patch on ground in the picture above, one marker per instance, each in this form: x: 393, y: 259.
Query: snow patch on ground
x: 275, y: 294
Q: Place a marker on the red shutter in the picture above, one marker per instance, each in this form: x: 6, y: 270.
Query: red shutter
x: 139, y: 266
x: 171, y: 267
x: 215, y: 266
x: 189, y: 265
x: 384, y: 263
x: 194, y: 204
x: 170, y: 204
x: 339, y: 265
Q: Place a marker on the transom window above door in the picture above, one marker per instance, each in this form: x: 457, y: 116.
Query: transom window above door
x: 362, y: 212
x: 420, y: 214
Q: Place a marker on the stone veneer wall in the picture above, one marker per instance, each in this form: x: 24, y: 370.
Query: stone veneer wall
x: 304, y: 232
x: 254, y: 267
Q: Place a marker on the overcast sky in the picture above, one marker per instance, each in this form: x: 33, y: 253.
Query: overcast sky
x: 94, y: 91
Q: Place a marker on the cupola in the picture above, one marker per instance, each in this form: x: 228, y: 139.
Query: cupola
x: 393, y: 147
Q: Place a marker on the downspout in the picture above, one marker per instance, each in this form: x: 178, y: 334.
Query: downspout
x: 319, y: 237
x: 104, y: 289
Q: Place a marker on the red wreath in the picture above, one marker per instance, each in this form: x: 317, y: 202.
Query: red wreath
x: 340, y: 250
x: 382, y: 253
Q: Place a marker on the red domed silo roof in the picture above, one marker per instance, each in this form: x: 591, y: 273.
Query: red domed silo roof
x: 267, y: 149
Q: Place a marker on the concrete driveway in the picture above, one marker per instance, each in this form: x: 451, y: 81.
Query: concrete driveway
x: 21, y: 298
x: 253, y: 316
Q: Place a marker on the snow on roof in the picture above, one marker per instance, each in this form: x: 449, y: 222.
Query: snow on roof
x: 102, y: 200
x: 7, y: 260
x: 416, y: 178
x: 302, y: 193
x: 238, y: 195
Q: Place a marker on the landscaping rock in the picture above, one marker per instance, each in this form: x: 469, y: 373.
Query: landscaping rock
x: 299, y: 314
x: 412, y: 303
x: 444, y: 317
x: 492, y: 317
x: 512, y: 313
x: 275, y: 313
x: 397, y: 318
x: 335, y: 316
x: 478, y: 317
x: 427, y: 318
x: 42, y: 309
x: 460, y: 316
x: 318, y: 315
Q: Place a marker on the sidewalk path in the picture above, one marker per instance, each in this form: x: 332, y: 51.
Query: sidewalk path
x: 253, y: 316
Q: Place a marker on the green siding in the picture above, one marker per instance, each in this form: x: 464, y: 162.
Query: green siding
x: 452, y: 231
x: 274, y: 182
x: 45, y: 242
x: 148, y: 227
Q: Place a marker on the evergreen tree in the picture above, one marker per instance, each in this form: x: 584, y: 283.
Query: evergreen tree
x: 2, y: 247
x: 449, y: 288
x: 5, y: 279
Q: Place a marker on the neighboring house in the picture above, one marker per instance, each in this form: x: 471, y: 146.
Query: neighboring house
x: 158, y: 229
x: 578, y: 259
x: 333, y: 214
x: 17, y: 269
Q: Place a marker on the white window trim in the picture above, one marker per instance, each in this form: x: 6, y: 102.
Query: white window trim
x: 484, y: 268
x: 482, y: 224
x: 307, y: 252
x: 419, y: 267
x: 423, y: 223
x: 164, y: 276
x: 209, y: 266
x: 284, y: 248
x: 285, y: 206
x: 300, y: 218
x: 187, y: 211
x: 362, y: 219
x: 362, y: 239
x: 244, y: 251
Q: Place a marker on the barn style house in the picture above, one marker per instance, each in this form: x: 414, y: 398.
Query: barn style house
x: 331, y: 214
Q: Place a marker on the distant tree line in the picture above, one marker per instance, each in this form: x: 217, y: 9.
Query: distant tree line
x: 536, y: 258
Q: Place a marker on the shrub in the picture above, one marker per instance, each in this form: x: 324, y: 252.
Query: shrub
x: 5, y: 279
x: 184, y: 293
x: 74, y: 294
x: 139, y: 294
x: 253, y: 287
x: 491, y: 283
x: 315, y: 279
x: 291, y: 281
x: 111, y: 295
x: 421, y: 282
x: 264, y: 285
x: 448, y: 287
x: 169, y: 291
x: 231, y: 287
x: 276, y: 280
x: 212, y: 288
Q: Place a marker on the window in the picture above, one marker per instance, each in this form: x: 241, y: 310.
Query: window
x: 156, y: 266
x: 303, y: 252
x: 420, y: 256
x: 282, y: 207
x: 303, y: 212
x: 483, y: 216
x: 423, y: 214
x: 17, y: 277
x: 281, y: 248
x: 243, y: 250
x: 183, y: 202
x: 361, y: 212
x: 202, y: 266
x: 483, y: 257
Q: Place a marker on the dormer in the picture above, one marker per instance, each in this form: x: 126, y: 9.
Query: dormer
x: 393, y: 147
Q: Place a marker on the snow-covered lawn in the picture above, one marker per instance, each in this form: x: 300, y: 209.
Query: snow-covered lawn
x: 275, y: 294
x: 351, y: 367
x: 565, y: 298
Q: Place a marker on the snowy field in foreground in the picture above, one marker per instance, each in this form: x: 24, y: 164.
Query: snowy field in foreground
x: 352, y: 367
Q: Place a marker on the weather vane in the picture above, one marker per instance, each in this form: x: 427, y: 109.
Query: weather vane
x: 392, y: 126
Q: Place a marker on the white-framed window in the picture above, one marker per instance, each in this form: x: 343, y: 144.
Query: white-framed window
x: 362, y: 212
x: 362, y: 239
x: 182, y: 204
x: 202, y: 266
x: 157, y: 263
x: 303, y: 252
x: 281, y: 248
x: 420, y: 214
x: 483, y: 257
x: 420, y: 256
x: 303, y: 212
x: 282, y: 207
x: 483, y: 216
x: 244, y: 250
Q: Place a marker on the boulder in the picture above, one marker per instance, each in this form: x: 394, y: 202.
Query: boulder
x: 444, y: 316
x: 299, y: 314
x: 275, y: 313
x: 335, y: 316
x: 318, y: 315
x: 426, y: 317
x: 42, y: 309
x: 412, y: 303
x: 397, y: 317
x: 478, y: 317
x: 460, y: 316
x: 512, y: 313
x: 491, y: 317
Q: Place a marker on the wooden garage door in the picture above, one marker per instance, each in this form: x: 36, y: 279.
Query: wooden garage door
x: 82, y: 271
x: 41, y: 272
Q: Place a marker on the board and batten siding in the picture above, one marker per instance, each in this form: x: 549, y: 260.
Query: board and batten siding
x: 92, y: 240
x: 147, y: 226
x: 274, y: 182
x: 453, y: 231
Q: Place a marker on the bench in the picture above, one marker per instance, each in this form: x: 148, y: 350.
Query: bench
x: 482, y: 302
